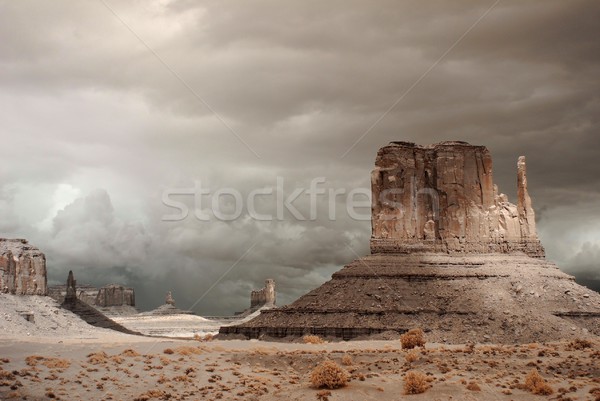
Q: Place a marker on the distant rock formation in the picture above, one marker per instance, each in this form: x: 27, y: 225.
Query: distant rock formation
x: 263, y: 297
x: 87, y: 312
x: 449, y: 254
x: 169, y: 299
x: 115, y: 295
x: 112, y: 299
x: 168, y: 308
x: 22, y: 268
x: 442, y: 198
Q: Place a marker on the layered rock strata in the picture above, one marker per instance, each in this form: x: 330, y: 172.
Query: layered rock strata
x: 22, y: 268
x: 442, y: 198
x: 449, y: 254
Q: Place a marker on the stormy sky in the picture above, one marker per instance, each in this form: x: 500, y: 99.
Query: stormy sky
x: 106, y: 106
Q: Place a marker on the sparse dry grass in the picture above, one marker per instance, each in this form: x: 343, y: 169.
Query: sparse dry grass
x: 536, y: 383
x: 329, y: 375
x: 413, y: 338
x: 415, y: 383
x: 311, y: 339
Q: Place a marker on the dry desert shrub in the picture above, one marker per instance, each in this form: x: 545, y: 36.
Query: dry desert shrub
x: 412, y: 356
x: 579, y: 344
x: 58, y: 363
x: 415, y: 383
x: 150, y: 394
x: 6, y: 375
x: 536, y: 383
x: 168, y: 351
x: 130, y: 352
x: 323, y: 395
x: 347, y: 360
x: 413, y: 338
x: 310, y: 339
x: 33, y: 360
x: 187, y: 350
x: 473, y: 386
x: 329, y: 375
x: 96, y: 358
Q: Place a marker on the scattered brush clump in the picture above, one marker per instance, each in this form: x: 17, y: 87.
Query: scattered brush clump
x: 579, y: 344
x: 96, y: 358
x: 186, y: 350
x: 130, y: 352
x: 473, y: 386
x: 329, y: 375
x: 347, y: 360
x: 310, y: 339
x: 536, y: 383
x: 323, y: 395
x: 412, y: 356
x: 168, y: 351
x: 158, y: 394
x: 33, y: 360
x: 413, y: 338
x: 415, y: 383
x: 49, y: 362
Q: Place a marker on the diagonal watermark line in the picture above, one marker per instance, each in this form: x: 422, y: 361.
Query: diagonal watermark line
x: 418, y: 81
x: 178, y: 77
x: 154, y: 343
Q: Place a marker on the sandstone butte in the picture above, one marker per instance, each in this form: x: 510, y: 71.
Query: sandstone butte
x: 449, y: 254
x: 22, y: 268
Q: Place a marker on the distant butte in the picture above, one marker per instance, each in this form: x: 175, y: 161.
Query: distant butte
x: 449, y: 254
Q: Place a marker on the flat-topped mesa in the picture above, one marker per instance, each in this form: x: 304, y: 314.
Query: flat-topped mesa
x: 442, y: 198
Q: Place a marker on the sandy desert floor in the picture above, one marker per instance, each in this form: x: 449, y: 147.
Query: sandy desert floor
x: 113, y: 366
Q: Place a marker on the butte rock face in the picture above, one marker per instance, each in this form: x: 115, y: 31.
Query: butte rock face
x: 263, y: 297
x: 449, y: 254
x: 22, y: 268
x: 115, y: 295
x: 442, y: 198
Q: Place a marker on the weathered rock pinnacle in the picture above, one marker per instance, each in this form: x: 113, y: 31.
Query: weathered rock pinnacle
x: 526, y: 213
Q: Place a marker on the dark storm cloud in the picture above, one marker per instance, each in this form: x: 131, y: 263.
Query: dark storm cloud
x: 95, y: 127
